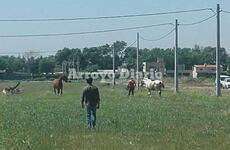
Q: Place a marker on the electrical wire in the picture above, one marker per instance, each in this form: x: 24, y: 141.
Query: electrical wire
x: 5, y: 53
x: 198, y: 22
x: 131, y: 44
x: 85, y: 32
x: 123, y: 51
x: 228, y: 12
x: 105, y: 17
x: 37, y: 52
x: 157, y: 39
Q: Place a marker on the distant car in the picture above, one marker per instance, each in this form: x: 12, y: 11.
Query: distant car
x: 222, y: 79
x: 226, y: 83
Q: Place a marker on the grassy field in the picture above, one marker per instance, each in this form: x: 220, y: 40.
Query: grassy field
x: 38, y: 119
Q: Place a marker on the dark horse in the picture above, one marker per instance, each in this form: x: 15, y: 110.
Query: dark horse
x: 58, y: 85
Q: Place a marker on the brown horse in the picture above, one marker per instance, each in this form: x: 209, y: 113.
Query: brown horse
x: 58, y: 85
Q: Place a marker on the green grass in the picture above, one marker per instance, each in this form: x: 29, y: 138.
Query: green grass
x: 38, y: 119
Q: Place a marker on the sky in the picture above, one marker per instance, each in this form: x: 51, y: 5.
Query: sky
x: 203, y: 34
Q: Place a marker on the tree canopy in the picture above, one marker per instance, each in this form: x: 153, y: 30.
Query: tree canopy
x: 101, y: 57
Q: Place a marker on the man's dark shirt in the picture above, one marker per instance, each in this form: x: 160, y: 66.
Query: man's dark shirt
x: 91, y: 95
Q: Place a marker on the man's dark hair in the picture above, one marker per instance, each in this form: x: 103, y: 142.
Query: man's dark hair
x: 89, y: 80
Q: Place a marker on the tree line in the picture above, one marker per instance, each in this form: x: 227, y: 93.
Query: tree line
x: 101, y: 57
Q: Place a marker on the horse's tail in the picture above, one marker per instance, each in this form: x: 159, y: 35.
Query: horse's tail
x: 16, y: 86
x: 162, y: 84
x: 142, y: 83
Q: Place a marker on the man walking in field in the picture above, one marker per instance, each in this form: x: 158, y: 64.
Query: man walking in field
x: 131, y: 86
x: 90, y: 100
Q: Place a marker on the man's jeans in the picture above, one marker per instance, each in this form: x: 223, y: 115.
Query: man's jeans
x: 131, y: 90
x: 91, y: 116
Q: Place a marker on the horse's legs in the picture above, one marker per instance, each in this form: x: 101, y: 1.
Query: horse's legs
x: 54, y: 91
x: 160, y: 92
x: 149, y: 91
x: 58, y: 90
x: 61, y: 90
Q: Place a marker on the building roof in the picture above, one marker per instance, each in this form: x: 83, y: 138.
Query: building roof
x: 2, y: 71
x: 205, y: 66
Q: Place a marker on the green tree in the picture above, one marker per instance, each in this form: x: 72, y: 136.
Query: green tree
x: 2, y: 63
x: 13, y: 63
x: 119, y: 48
x: 130, y: 55
x: 47, y: 65
x: 63, y: 55
x: 169, y: 58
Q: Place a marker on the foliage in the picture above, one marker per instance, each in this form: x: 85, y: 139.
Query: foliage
x: 47, y: 65
x: 101, y: 57
x: 11, y: 63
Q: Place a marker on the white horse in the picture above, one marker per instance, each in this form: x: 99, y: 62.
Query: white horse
x: 155, y: 85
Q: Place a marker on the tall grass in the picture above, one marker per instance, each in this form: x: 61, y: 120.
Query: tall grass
x: 38, y: 119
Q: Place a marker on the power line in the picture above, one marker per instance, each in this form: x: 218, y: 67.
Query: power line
x: 85, y: 32
x: 198, y: 22
x: 131, y: 44
x: 5, y: 53
x: 228, y: 12
x: 166, y: 35
x: 128, y: 46
x: 105, y: 17
x: 157, y: 39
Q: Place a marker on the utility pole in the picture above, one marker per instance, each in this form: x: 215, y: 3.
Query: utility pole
x: 138, y: 47
x: 73, y: 61
x: 175, y: 60
x: 78, y: 63
x: 73, y: 68
x: 218, y: 91
x: 64, y: 65
x: 114, y: 65
x: 62, y: 68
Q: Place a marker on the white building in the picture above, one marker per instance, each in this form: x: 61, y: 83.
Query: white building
x: 72, y: 74
x: 204, y: 69
x: 158, y: 66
